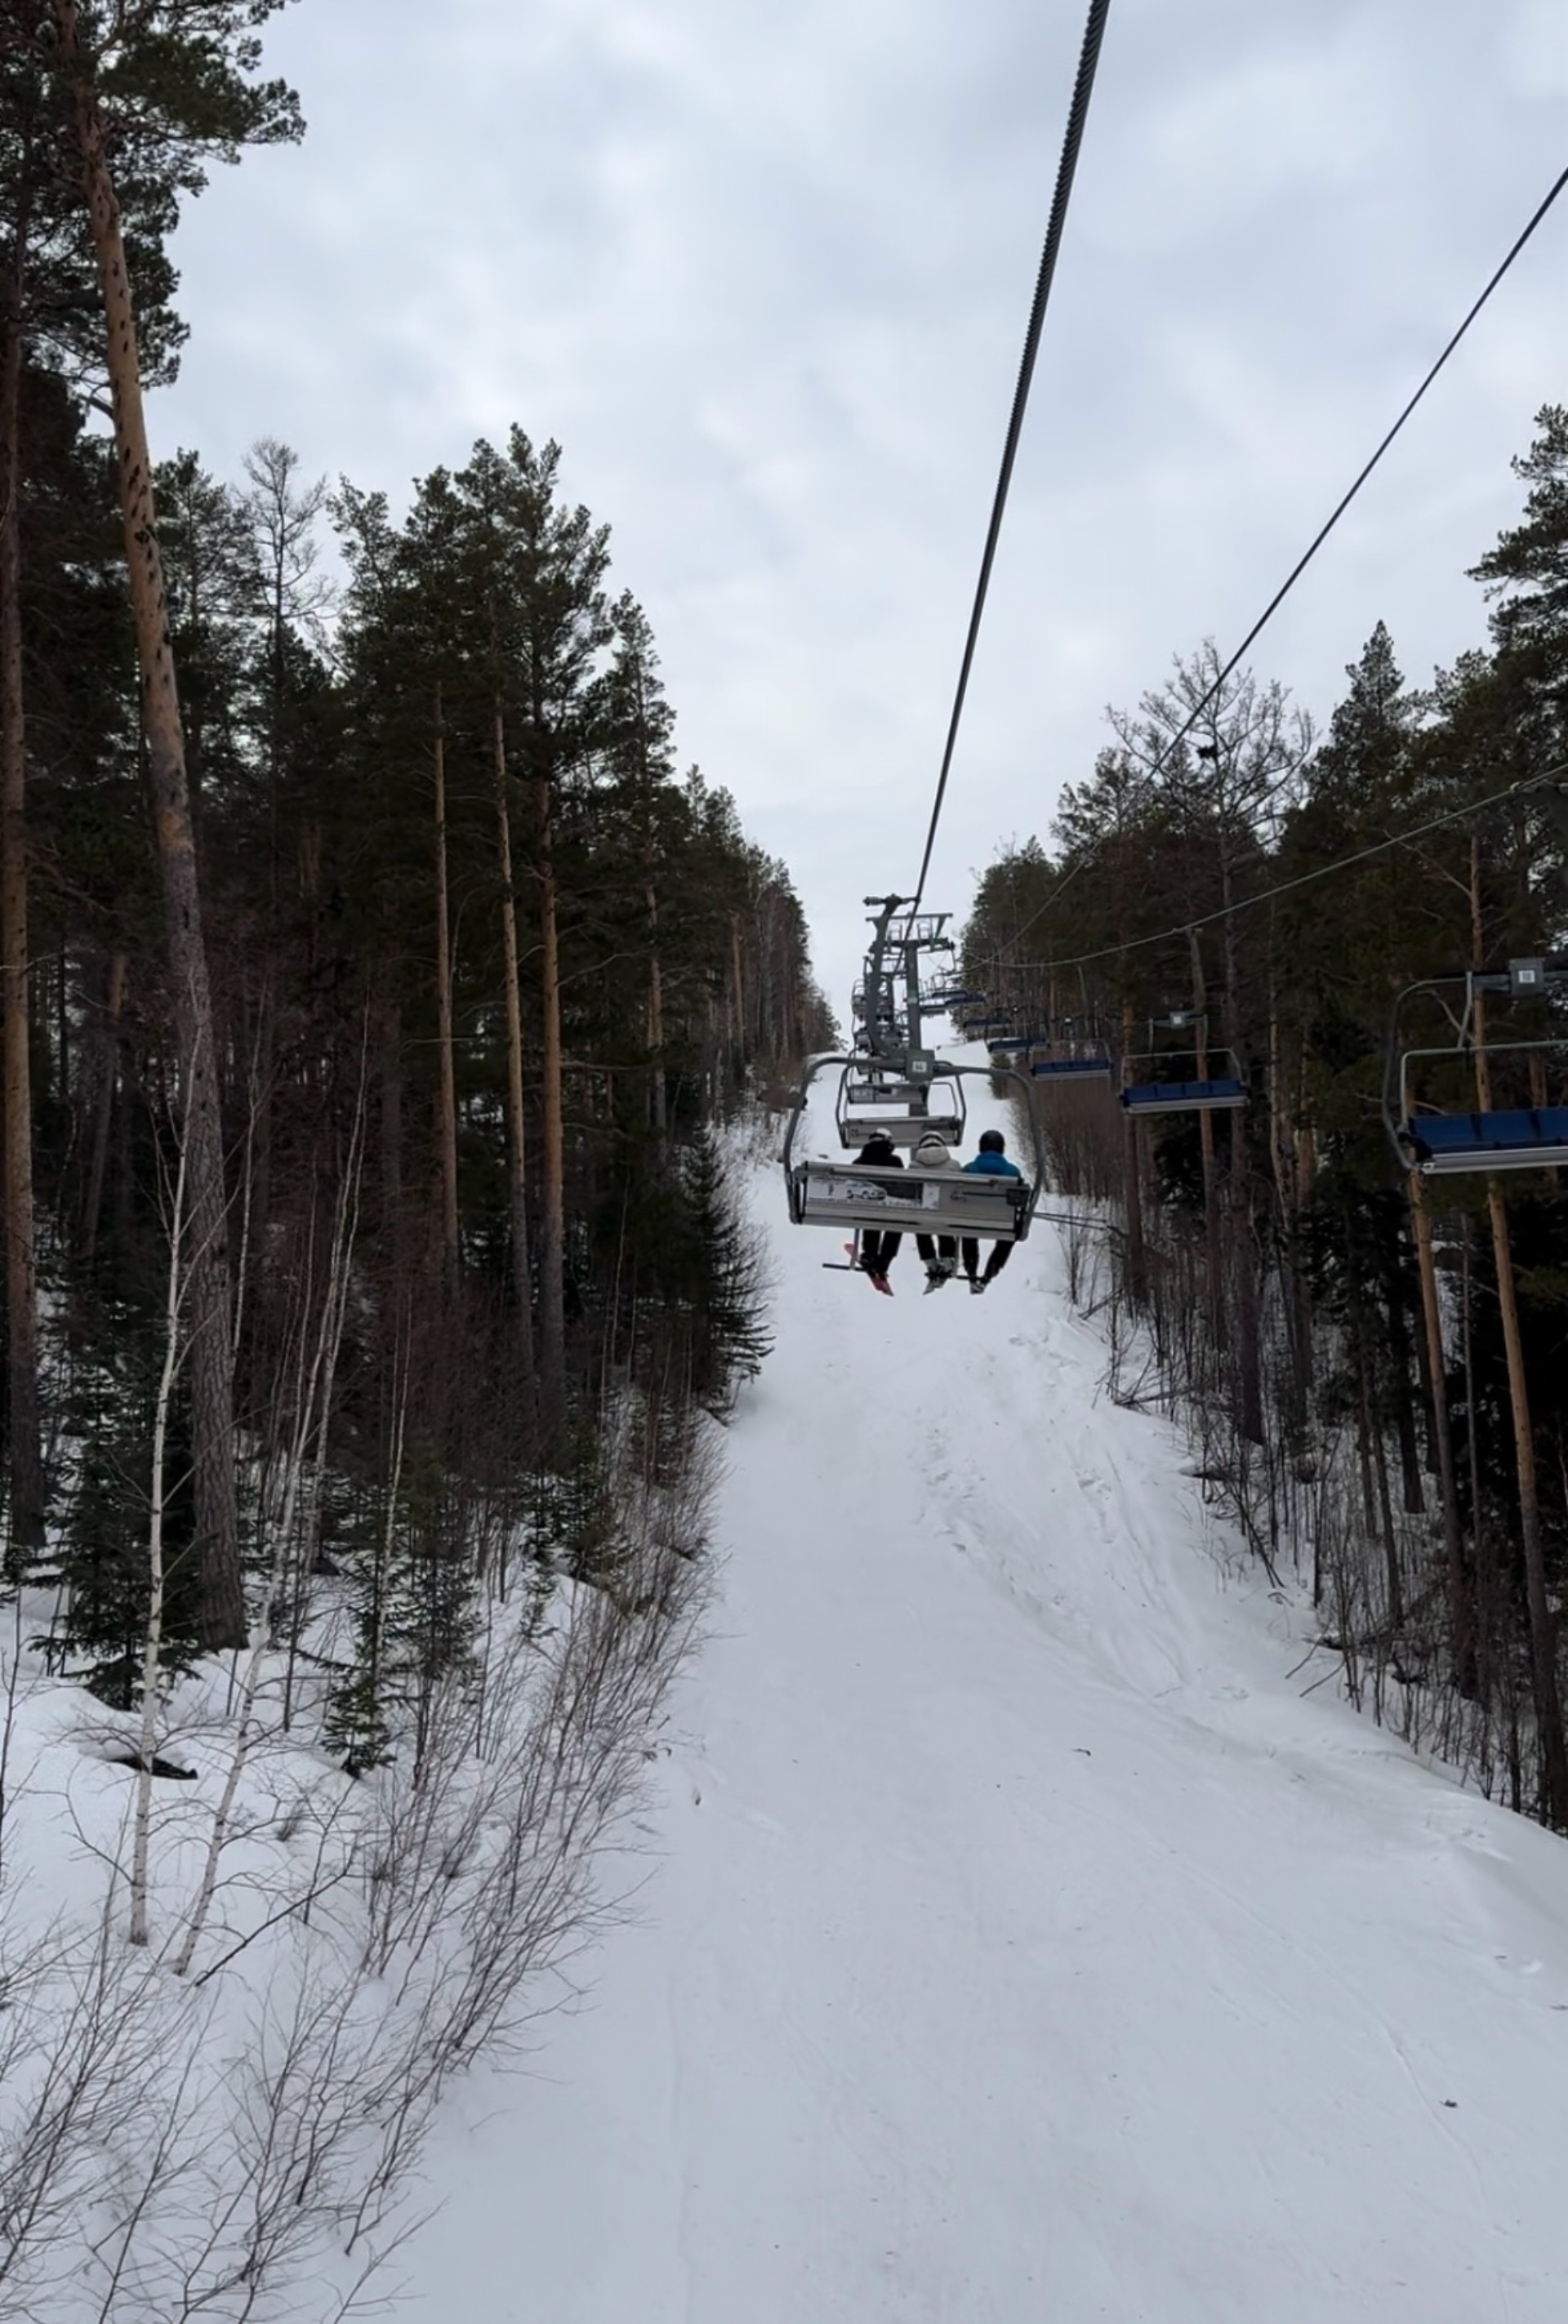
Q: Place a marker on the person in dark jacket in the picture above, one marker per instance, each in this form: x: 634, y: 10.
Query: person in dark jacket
x: 990, y: 1162
x: 878, y: 1250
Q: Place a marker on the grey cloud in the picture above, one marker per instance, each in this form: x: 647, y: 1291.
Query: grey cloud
x: 764, y: 273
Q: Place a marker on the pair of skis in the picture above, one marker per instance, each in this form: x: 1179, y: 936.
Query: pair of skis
x: 934, y: 1282
x: 877, y: 1282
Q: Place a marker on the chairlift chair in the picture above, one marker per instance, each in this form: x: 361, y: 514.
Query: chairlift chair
x: 1453, y: 1142
x: 852, y: 1197
x: 887, y: 1105
x: 1162, y: 1087
x: 1075, y: 1051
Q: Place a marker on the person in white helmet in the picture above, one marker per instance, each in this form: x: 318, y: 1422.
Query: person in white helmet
x: 940, y: 1252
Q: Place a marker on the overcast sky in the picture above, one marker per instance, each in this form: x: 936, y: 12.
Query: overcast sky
x: 763, y: 270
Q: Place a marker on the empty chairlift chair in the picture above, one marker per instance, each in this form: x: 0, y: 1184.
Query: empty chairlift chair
x: 1454, y: 1140
x: 1188, y: 1078
x: 876, y: 1103
x: 1074, y: 1051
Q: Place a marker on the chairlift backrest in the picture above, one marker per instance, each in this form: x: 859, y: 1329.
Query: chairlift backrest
x: 910, y: 1201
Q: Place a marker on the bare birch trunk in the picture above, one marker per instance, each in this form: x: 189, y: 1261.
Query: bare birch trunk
x: 221, y: 1615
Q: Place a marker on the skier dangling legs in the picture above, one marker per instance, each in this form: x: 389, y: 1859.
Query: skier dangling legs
x: 939, y: 1252
x: 878, y: 1250
x: 990, y: 1162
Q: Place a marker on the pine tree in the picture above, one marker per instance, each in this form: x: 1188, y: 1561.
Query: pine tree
x: 174, y: 79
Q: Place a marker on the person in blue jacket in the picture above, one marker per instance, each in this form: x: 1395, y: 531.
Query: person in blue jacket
x: 990, y: 1162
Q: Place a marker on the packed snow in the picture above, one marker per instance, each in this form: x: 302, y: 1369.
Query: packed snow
x: 1026, y: 1931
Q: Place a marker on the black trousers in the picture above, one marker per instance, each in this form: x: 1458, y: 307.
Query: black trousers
x: 1001, y: 1252
x: 878, y: 1251
x: 937, y: 1247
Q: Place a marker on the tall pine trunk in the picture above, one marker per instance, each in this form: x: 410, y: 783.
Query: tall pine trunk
x: 390, y: 1079
x: 1542, y: 1620
x: 658, y: 1109
x: 1214, y: 1246
x: 221, y: 1597
x: 445, y: 1072
x: 107, y: 1083
x: 517, y: 1151
x: 552, y: 1204
x: 25, y: 1442
x: 1132, y: 1180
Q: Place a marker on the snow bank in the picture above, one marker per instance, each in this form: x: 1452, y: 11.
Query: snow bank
x: 1034, y: 1937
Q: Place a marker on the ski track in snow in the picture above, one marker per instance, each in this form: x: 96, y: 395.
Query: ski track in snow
x: 1018, y: 1943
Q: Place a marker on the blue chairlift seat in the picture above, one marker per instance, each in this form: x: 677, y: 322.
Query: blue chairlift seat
x: 1071, y: 1069
x: 1518, y: 1138
x: 1010, y: 1045
x: 1221, y: 1095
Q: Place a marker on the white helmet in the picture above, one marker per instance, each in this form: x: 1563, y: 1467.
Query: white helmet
x: 931, y: 1149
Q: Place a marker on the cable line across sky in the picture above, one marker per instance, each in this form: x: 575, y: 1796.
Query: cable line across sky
x: 1299, y: 568
x: 1520, y: 789
x: 1077, y: 114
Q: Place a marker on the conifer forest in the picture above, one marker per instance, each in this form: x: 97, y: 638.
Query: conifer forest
x: 1374, y: 1363
x: 379, y: 993
x: 458, y: 1538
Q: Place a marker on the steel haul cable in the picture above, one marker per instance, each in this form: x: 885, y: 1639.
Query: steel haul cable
x: 1299, y: 568
x: 1077, y: 114
x: 1523, y: 788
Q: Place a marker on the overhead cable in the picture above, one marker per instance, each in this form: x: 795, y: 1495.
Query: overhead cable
x: 1299, y: 568
x: 1521, y: 789
x: 1077, y: 114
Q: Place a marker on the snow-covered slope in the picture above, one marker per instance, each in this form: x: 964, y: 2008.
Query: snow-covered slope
x: 1020, y: 1943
